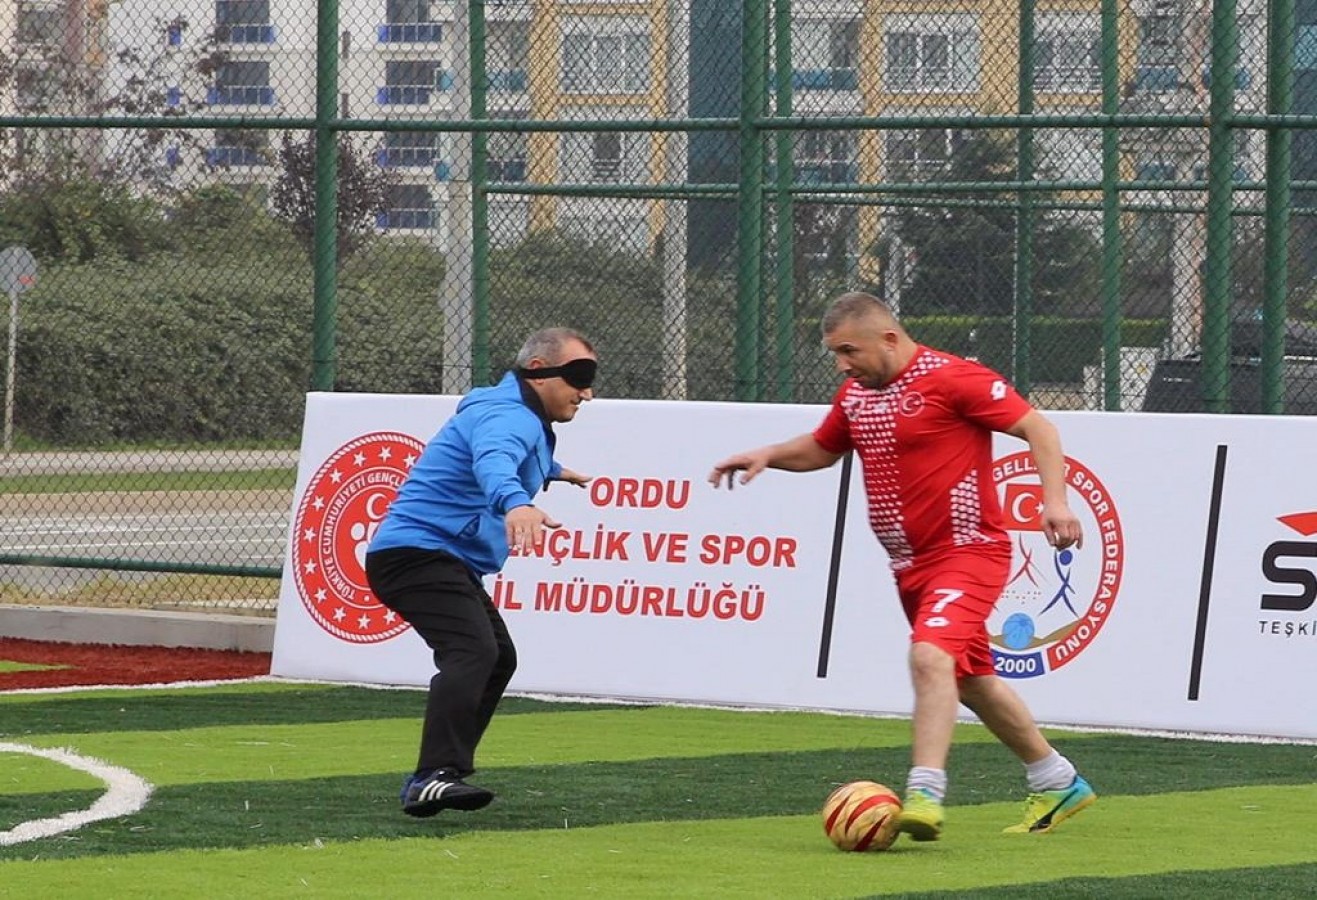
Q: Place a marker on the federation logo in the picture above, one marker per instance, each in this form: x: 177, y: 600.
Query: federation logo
x: 1055, y: 602
x: 342, y: 506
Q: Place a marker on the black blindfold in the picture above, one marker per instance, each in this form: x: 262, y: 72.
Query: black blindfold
x: 579, y: 373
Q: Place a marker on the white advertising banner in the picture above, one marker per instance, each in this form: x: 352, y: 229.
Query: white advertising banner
x: 1189, y: 606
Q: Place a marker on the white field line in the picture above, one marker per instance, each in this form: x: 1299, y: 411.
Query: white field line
x: 126, y: 794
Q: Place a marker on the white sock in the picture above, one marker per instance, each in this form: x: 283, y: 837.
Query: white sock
x: 931, y: 781
x: 1051, y: 773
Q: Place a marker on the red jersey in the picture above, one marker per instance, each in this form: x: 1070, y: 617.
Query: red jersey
x: 925, y: 446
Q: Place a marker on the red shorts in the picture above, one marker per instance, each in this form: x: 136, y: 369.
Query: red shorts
x: 948, y: 601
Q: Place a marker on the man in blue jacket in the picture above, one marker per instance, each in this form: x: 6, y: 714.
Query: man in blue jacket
x: 466, y: 502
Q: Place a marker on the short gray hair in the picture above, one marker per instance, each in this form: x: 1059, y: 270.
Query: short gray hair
x: 548, y: 344
x: 854, y: 305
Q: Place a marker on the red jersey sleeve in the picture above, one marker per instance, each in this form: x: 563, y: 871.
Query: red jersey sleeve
x: 834, y: 432
x: 985, y: 397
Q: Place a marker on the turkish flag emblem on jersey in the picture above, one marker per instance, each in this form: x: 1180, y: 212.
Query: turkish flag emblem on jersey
x: 1022, y: 507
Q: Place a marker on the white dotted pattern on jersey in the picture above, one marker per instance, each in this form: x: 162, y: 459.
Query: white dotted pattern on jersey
x: 965, y: 512
x: 872, y: 417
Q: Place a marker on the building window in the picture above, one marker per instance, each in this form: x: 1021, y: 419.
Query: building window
x: 605, y: 57
x: 410, y: 21
x: 242, y: 83
x: 509, y: 56
x: 919, y: 155
x: 604, y: 157
x: 417, y: 149
x: 825, y: 54
x: 1071, y: 154
x: 410, y: 81
x: 826, y: 157
x: 243, y: 22
x: 507, y: 156
x: 40, y: 23
x: 927, y: 54
x: 409, y: 206
x: 237, y: 147
x: 1068, y: 58
x: 1159, y: 49
x: 1305, y: 47
x: 174, y: 33
x: 36, y: 87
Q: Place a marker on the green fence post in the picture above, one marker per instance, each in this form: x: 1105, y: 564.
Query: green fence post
x: 325, y: 246
x: 1022, y: 319
x: 1112, y: 247
x: 784, y: 210
x: 480, y: 362
x: 1280, y: 99
x: 750, y: 202
x: 1220, y: 199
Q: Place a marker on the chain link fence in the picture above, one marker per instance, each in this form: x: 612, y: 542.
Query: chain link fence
x: 1108, y: 200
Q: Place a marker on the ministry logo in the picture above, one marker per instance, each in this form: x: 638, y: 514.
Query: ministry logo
x: 1055, y: 601
x: 342, y: 506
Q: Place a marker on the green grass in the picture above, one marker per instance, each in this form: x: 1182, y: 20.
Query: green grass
x: 271, y: 789
x: 121, y: 482
x: 781, y: 856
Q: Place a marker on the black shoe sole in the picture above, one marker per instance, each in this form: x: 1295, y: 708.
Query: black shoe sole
x: 466, y: 803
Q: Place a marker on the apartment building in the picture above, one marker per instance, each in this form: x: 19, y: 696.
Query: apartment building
x: 623, y: 60
x: 55, y: 56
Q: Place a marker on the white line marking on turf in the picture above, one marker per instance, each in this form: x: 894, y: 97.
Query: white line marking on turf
x: 126, y: 794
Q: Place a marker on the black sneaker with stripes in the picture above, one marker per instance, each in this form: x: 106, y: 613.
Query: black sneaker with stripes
x: 442, y: 789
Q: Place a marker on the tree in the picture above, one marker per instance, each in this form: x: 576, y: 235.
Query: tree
x: 965, y: 253
x: 76, y: 72
x: 363, y: 190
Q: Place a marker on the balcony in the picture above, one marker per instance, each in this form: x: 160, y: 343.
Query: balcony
x: 827, y: 173
x: 410, y: 33
x: 240, y: 95
x: 405, y: 218
x: 407, y: 157
x: 506, y: 170
x: 403, y: 95
x: 1156, y: 78
x: 245, y: 34
x: 509, y: 80
x: 414, y: 94
x: 1153, y: 79
x: 227, y: 157
x: 1243, y: 78
x: 824, y: 79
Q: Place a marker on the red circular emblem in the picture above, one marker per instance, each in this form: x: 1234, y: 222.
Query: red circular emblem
x: 342, y: 506
x: 912, y: 403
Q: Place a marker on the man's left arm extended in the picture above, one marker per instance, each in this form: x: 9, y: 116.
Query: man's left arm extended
x: 1060, y: 525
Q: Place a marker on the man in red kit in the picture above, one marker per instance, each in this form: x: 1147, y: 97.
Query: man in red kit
x: 921, y: 422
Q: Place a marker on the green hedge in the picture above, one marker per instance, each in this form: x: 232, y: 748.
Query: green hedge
x: 170, y: 350
x: 212, y: 342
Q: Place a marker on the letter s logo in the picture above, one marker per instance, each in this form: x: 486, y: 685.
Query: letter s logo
x: 1289, y: 575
